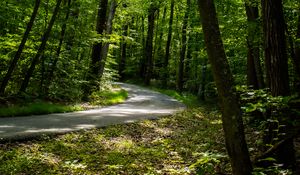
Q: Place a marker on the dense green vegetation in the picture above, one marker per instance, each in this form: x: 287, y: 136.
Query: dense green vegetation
x: 98, y: 99
x: 243, y: 54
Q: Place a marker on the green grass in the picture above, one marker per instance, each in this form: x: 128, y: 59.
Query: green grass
x: 182, y: 144
x: 103, y: 98
x: 108, y: 97
x: 188, y: 99
x: 36, y: 109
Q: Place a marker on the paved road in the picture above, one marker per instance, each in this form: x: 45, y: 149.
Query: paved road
x: 141, y: 104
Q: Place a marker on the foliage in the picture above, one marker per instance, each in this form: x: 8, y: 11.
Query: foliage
x: 99, y: 98
x: 261, y: 100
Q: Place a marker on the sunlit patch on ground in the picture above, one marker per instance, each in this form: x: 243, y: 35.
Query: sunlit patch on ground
x: 178, y: 145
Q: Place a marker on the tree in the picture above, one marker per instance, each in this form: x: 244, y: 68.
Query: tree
x: 96, y: 59
x: 277, y: 64
x: 296, y: 57
x: 149, y: 43
x: 167, y: 55
x: 41, y: 48
x: 231, y: 112
x: 123, y: 53
x: 58, y: 51
x: 275, y: 48
x: 108, y: 31
x: 183, y: 47
x: 20, y: 49
x: 254, y: 70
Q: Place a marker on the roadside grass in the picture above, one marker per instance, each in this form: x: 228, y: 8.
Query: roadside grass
x: 188, y: 99
x: 37, y: 108
x: 188, y: 142
x: 101, y: 98
x: 105, y: 98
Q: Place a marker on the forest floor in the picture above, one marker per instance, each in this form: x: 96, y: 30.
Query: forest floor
x: 141, y: 104
x: 188, y: 142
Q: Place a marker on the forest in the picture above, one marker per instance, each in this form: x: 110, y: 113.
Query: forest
x: 235, y: 64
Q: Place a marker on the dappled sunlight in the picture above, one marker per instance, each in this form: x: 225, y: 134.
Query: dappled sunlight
x: 216, y: 122
x: 141, y: 104
x: 169, y: 145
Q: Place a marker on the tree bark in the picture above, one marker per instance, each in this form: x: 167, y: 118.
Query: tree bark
x: 254, y: 70
x: 277, y: 65
x: 13, y: 64
x: 296, y: 57
x: 167, y: 55
x: 41, y: 48
x: 108, y: 31
x: 149, y: 43
x: 231, y: 112
x: 123, y: 53
x: 183, y: 48
x: 201, y: 90
x: 142, y: 61
x: 275, y: 48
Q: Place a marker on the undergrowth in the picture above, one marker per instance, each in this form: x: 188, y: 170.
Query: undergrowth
x: 99, y: 98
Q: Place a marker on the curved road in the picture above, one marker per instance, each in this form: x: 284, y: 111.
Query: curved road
x: 141, y: 104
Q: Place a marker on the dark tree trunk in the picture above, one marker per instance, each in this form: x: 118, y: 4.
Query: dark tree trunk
x: 167, y: 56
x: 201, y: 90
x: 41, y: 48
x: 183, y: 47
x: 254, y: 70
x: 142, y: 61
x: 108, y: 31
x: 58, y: 51
x: 149, y: 44
x: 93, y: 75
x: 296, y: 57
x: 277, y: 64
x: 159, y: 50
x: 231, y: 112
x: 123, y: 53
x: 275, y: 48
x: 14, y: 62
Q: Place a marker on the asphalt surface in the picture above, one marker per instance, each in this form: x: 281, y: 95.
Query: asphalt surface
x: 141, y: 104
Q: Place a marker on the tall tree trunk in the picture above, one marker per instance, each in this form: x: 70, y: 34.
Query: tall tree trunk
x: 159, y: 50
x: 277, y: 64
x: 254, y: 70
x: 201, y: 90
x: 167, y: 55
x: 93, y: 75
x: 123, y: 53
x: 41, y: 48
x: 108, y: 31
x: 142, y: 61
x: 149, y: 43
x: 58, y: 51
x: 13, y: 64
x: 296, y: 57
x: 275, y: 47
x: 183, y: 47
x: 43, y: 67
x: 231, y: 112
